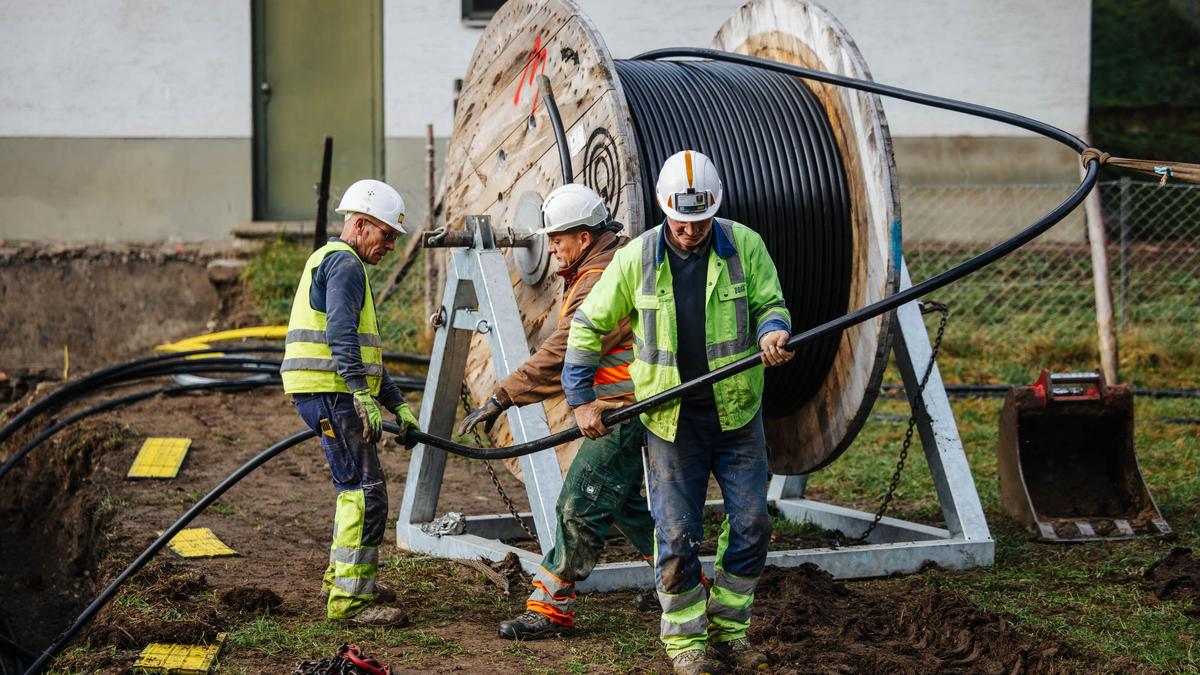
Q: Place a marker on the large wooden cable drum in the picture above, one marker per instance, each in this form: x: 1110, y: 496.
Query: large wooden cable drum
x: 809, y: 166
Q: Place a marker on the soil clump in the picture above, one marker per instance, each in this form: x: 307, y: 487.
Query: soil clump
x: 811, y: 623
x: 1177, y: 577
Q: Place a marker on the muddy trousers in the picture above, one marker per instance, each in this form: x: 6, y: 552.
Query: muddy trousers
x: 602, y: 488
x: 678, y: 480
x: 360, y: 516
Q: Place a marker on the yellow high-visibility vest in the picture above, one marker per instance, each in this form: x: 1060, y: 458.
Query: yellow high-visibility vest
x: 307, y: 359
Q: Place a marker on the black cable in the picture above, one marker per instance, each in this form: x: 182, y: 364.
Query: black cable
x: 44, y: 435
x: 1000, y: 390
x: 842, y: 322
x: 92, y: 380
x: 66, y: 393
x: 560, y: 136
x: 140, y: 562
x: 782, y: 175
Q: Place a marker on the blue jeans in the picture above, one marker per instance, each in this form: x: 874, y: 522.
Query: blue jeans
x: 678, y: 480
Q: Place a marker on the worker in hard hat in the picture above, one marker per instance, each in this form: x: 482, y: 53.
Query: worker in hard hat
x: 603, y: 486
x: 699, y: 292
x: 333, y: 370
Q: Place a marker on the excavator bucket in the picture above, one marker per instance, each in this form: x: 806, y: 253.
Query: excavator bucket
x: 1066, y: 462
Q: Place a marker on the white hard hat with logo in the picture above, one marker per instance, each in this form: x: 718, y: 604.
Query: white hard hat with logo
x: 572, y: 206
x: 689, y: 188
x: 376, y: 199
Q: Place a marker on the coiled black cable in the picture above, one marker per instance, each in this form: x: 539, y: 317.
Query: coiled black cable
x: 783, y: 177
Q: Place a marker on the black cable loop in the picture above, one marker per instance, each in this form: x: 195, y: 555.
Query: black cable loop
x: 782, y: 175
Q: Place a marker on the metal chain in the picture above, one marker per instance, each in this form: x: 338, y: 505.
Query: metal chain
x: 512, y: 508
x: 926, y: 306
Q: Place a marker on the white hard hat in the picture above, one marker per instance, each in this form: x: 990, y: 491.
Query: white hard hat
x: 376, y: 199
x: 689, y: 187
x: 570, y: 206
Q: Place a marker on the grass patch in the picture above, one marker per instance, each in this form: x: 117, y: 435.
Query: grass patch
x: 272, y: 275
x: 1092, y: 595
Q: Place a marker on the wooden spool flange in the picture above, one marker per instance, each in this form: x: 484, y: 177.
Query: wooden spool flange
x: 502, y: 157
x: 805, y: 34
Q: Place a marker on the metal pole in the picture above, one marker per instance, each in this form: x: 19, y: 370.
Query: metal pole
x: 1102, y: 288
x: 1125, y: 207
x: 321, y: 231
x: 430, y: 272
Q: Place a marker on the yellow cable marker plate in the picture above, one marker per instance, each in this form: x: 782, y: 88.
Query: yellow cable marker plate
x: 174, y: 659
x: 199, y: 542
x: 159, y: 458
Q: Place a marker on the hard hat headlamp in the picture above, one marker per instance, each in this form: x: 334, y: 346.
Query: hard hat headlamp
x: 691, y: 202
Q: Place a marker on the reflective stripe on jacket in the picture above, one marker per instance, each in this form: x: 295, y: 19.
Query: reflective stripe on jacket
x: 612, y: 373
x: 307, y: 359
x: 743, y: 301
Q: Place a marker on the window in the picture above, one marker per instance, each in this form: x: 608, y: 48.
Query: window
x: 477, y: 13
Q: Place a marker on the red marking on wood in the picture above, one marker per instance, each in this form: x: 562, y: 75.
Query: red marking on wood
x: 537, y: 59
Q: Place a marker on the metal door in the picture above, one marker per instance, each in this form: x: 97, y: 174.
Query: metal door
x: 317, y: 72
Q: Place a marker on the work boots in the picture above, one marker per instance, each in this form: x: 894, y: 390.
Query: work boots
x: 694, y: 662
x: 533, y: 626
x: 739, y: 655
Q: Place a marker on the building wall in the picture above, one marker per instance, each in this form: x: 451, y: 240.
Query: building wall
x: 124, y: 119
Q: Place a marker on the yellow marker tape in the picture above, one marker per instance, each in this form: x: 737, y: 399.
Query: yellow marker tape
x: 175, y: 659
x: 199, y: 542
x: 159, y: 458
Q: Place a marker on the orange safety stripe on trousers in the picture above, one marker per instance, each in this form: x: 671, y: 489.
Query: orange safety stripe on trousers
x: 550, y: 612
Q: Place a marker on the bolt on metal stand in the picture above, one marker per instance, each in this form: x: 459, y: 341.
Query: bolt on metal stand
x: 478, y: 298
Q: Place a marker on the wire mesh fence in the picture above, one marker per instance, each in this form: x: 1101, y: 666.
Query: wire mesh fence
x: 1036, y: 307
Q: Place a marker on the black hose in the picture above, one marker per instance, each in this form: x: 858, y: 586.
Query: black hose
x: 196, y: 509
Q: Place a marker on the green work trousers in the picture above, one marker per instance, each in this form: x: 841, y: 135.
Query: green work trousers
x: 602, y: 488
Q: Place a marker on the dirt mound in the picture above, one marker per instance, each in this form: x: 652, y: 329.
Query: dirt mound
x: 1177, y: 577
x: 811, y: 623
x: 250, y: 599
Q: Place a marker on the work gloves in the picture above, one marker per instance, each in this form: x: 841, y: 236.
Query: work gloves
x: 368, y: 414
x: 487, y: 413
x: 405, y: 418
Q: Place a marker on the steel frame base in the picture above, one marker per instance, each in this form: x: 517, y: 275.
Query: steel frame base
x: 478, y: 298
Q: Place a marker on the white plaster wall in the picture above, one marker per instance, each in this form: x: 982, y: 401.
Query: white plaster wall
x: 1027, y: 56
x: 125, y: 68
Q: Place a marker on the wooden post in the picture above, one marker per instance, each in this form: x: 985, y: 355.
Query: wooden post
x: 321, y: 231
x: 1105, y: 330
x: 431, y: 285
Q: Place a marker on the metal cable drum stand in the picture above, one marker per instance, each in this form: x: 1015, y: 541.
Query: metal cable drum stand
x: 815, y: 151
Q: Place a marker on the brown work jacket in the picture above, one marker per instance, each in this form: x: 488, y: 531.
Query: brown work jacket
x: 539, y: 377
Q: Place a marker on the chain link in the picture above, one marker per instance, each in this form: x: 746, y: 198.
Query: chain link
x: 918, y: 408
x: 512, y: 508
